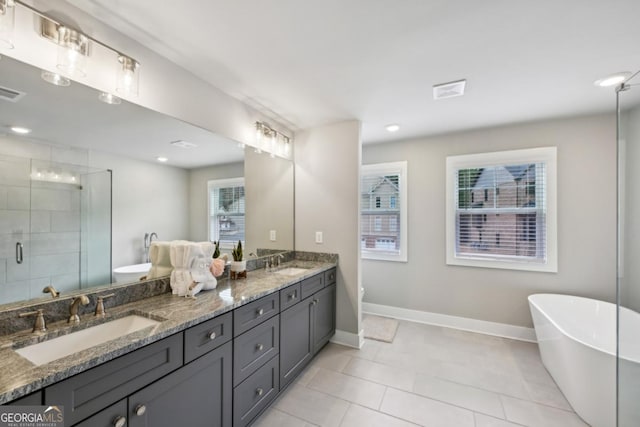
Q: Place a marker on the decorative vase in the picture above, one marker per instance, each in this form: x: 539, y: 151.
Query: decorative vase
x: 238, y: 269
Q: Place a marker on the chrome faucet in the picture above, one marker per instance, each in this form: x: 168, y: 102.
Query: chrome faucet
x: 73, y: 310
x: 50, y: 289
x: 148, y: 238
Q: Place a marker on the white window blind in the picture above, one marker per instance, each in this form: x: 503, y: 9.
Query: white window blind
x: 502, y: 213
x: 227, y: 211
x: 383, y: 221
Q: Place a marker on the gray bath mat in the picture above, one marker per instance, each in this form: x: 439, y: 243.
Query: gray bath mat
x: 379, y: 328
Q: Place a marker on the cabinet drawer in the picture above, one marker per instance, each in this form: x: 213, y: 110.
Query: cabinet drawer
x: 207, y: 336
x: 254, y: 313
x: 114, y: 415
x: 89, y: 392
x: 253, y: 348
x: 252, y: 396
x: 330, y: 277
x: 289, y: 296
x: 311, y: 285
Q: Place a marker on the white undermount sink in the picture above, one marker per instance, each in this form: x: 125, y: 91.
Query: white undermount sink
x: 65, y: 345
x: 291, y: 271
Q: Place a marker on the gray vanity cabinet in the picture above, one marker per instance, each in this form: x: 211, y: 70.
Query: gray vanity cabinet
x: 323, y: 316
x: 197, y: 395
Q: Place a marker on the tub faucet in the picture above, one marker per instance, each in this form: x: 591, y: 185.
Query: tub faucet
x: 148, y: 238
x: 73, y: 310
x: 50, y: 289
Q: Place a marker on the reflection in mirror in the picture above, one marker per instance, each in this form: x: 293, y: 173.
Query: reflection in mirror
x: 116, y: 145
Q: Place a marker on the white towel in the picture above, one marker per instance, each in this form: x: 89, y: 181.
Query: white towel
x: 191, y: 263
x: 160, y: 256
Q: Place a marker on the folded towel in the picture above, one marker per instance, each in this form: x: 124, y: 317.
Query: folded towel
x: 180, y: 276
x: 160, y: 256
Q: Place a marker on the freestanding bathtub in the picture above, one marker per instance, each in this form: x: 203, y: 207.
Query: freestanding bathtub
x: 131, y: 273
x: 577, y: 341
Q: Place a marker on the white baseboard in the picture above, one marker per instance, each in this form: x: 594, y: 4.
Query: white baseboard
x: 463, y: 323
x: 349, y: 339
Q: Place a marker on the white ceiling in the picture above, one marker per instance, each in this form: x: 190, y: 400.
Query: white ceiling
x: 316, y: 62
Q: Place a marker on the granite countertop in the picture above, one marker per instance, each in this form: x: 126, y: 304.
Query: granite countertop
x: 19, y: 377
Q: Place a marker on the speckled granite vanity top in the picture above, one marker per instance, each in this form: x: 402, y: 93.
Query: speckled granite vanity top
x: 19, y: 377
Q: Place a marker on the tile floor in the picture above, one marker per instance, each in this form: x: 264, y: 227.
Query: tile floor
x: 429, y: 376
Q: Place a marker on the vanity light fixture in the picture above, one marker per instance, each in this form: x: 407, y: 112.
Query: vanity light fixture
x: 7, y: 14
x: 20, y: 130
x: 73, y: 46
x: 128, y: 75
x: 109, y: 98
x: 272, y: 141
x: 392, y: 128
x: 613, y: 79
x: 54, y: 78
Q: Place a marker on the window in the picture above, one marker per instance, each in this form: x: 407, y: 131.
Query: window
x: 226, y: 211
x: 501, y: 210
x: 383, y: 202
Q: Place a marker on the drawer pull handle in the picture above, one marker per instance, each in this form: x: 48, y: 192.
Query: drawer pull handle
x: 292, y: 296
x: 315, y: 302
x: 259, y: 347
x: 259, y: 391
x: 140, y: 410
x: 212, y: 335
x: 260, y: 312
x: 120, y: 421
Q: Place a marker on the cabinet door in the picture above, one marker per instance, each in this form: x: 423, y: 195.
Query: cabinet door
x: 324, y: 316
x: 197, y: 395
x: 296, y: 346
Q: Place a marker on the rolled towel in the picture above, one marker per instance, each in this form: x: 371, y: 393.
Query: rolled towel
x: 179, y: 251
x: 160, y: 256
x: 199, y: 266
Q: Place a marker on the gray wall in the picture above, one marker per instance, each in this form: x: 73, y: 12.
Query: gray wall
x: 327, y: 198
x: 198, y: 195
x: 586, y: 223
x: 269, y: 198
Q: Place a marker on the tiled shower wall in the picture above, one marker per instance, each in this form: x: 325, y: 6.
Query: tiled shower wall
x: 44, y: 217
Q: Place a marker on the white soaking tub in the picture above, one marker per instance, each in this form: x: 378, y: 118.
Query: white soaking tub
x: 577, y: 341
x: 131, y: 273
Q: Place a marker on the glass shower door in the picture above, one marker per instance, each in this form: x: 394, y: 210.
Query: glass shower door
x: 628, y: 349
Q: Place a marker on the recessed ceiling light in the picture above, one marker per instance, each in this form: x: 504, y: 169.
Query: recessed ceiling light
x: 392, y: 128
x: 449, y: 90
x: 54, y: 78
x: 162, y: 159
x: 20, y: 130
x: 613, y: 79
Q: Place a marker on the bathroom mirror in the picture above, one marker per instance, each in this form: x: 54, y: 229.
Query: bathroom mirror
x: 72, y: 129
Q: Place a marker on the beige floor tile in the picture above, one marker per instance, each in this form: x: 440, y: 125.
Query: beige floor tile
x: 358, y: 416
x: 536, y: 415
x: 307, y: 375
x: 312, y: 406
x: 487, y: 421
x: 352, y: 389
x: 424, y: 411
x: 549, y: 395
x: 461, y: 395
x: 276, y: 418
x: 391, y: 376
x: 331, y: 358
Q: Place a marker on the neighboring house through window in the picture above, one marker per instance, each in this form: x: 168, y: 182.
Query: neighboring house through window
x: 226, y: 211
x: 501, y: 210
x: 383, y: 234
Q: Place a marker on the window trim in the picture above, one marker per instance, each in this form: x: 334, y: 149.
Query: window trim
x: 221, y: 183
x: 388, y: 168
x: 547, y: 155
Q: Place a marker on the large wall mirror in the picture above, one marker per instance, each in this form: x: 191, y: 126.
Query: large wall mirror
x: 80, y: 191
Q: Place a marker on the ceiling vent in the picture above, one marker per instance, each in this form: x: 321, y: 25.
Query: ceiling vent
x: 449, y: 90
x: 11, y: 95
x: 183, y: 144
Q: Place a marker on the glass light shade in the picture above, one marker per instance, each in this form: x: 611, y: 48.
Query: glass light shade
x: 7, y: 13
x: 73, y: 50
x: 54, y: 78
x: 128, y: 76
x: 109, y: 98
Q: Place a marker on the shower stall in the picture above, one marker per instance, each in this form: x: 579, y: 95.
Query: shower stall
x: 55, y: 227
x: 628, y: 334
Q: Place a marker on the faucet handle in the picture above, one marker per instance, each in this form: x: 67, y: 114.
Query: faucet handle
x: 39, y: 325
x: 100, y: 304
